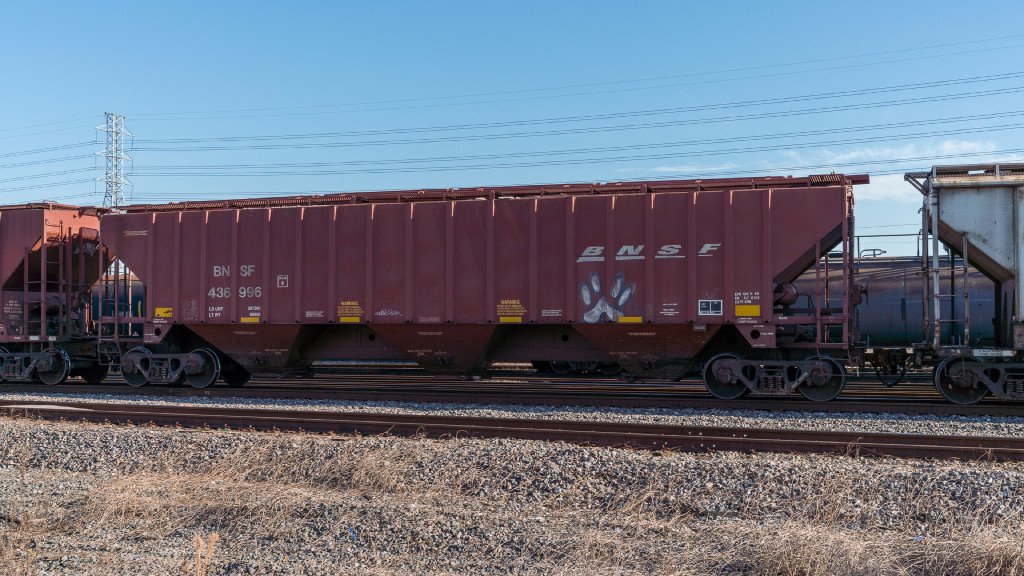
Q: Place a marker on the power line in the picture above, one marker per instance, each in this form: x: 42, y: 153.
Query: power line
x: 607, y: 116
x: 50, y: 185
x: 275, y: 142
x: 243, y: 112
x: 47, y: 161
x: 598, y: 129
x: 833, y: 165
x: 889, y: 226
x: 391, y: 162
x: 402, y: 166
x: 47, y: 175
x: 43, y: 125
x: 45, y: 150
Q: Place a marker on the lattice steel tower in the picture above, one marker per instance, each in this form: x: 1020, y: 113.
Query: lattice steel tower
x: 116, y: 182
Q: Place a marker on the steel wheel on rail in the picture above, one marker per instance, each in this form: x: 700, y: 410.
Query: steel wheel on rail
x: 2, y: 362
x: 956, y: 383
x: 826, y: 381
x: 720, y: 380
x: 130, y: 366
x: 561, y: 367
x: 56, y: 367
x: 209, y: 372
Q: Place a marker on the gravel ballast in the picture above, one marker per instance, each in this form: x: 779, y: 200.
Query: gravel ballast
x: 98, y: 499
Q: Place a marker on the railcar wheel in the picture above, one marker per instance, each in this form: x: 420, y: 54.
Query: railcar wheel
x: 956, y: 383
x: 58, y: 368
x: 827, y: 379
x: 210, y: 371
x: 130, y: 367
x: 235, y: 376
x: 720, y: 380
x: 94, y: 374
x: 561, y: 367
x: 2, y: 362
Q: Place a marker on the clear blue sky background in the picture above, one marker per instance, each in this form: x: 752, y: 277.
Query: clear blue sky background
x: 262, y: 98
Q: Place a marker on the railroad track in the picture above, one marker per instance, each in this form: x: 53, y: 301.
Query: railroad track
x: 862, y: 396
x: 645, y: 436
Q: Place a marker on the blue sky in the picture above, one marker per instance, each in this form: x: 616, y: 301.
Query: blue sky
x: 260, y: 98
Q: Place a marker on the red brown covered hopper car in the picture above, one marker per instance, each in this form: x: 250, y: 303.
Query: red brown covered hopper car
x: 653, y: 277
x: 50, y: 259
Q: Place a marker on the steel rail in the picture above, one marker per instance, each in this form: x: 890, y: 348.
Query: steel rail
x: 647, y: 436
x: 924, y: 400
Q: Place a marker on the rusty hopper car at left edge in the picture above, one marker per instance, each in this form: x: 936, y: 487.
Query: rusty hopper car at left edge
x: 50, y: 260
x: 655, y: 277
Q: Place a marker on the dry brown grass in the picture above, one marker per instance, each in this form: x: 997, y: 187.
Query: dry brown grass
x: 802, y: 549
x: 16, y: 556
x: 21, y: 524
x: 655, y: 524
x: 200, y: 565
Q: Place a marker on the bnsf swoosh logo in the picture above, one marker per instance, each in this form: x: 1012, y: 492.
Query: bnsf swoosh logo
x: 631, y: 252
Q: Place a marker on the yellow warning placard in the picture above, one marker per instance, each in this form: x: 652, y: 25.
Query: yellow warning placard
x: 164, y: 312
x: 748, y: 309
x: 250, y: 318
x: 512, y: 319
x: 631, y: 319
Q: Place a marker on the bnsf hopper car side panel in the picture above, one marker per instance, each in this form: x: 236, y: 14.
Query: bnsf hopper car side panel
x: 472, y: 243
x: 427, y: 280
x: 643, y: 255
x: 479, y: 271
x: 554, y: 289
x: 164, y: 264
x: 251, y: 257
x: 673, y: 235
x: 387, y: 263
x: 219, y: 232
x: 352, y: 246
x: 314, y: 251
x: 190, y: 281
x: 511, y: 271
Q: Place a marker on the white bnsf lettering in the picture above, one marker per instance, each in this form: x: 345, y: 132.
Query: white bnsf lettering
x: 592, y: 254
x: 635, y: 252
x: 670, y: 251
x: 630, y: 253
x: 225, y: 271
x: 708, y: 249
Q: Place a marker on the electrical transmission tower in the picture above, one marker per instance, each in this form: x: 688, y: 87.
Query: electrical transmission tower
x: 116, y: 158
